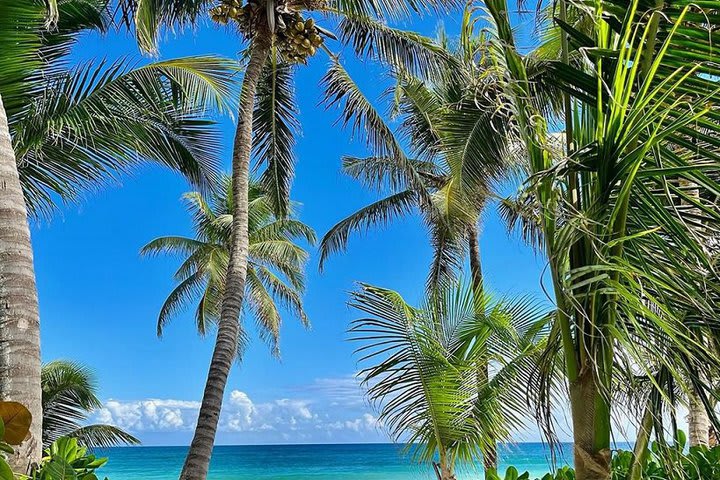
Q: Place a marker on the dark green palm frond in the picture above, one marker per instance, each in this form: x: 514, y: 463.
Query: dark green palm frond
x: 96, y: 121
x: 187, y: 291
x: 381, y: 173
x: 276, y: 276
x: 389, y: 9
x: 379, y: 213
x: 20, y: 42
x: 288, y: 296
x: 421, y: 366
x: 399, y: 49
x: 103, y: 436
x: 421, y: 110
x: 149, y: 16
x: 284, y: 229
x: 358, y: 113
x: 265, y: 311
x: 275, y: 125
x: 69, y: 397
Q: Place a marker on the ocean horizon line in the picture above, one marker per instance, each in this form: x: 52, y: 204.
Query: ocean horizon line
x: 319, y: 444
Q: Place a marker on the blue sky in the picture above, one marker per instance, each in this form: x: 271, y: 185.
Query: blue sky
x: 99, y: 300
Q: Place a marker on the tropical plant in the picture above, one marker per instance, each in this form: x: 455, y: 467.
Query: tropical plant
x: 279, y: 35
x: 69, y: 398
x: 460, y: 149
x: 420, y: 367
x: 622, y: 228
x: 66, y: 459
x: 275, y: 276
x: 65, y: 130
x: 15, y: 422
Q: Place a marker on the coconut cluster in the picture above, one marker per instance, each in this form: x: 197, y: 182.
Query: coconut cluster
x: 297, y: 38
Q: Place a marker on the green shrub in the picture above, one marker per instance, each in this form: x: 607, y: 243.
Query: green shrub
x: 66, y: 460
x: 663, y: 462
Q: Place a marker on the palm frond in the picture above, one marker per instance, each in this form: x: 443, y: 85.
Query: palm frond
x: 275, y: 125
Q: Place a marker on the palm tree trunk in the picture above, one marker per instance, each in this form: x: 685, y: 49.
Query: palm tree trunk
x: 197, y: 461
x: 641, y: 443
x: 19, y: 313
x: 483, y: 373
x: 698, y: 422
x: 591, y: 451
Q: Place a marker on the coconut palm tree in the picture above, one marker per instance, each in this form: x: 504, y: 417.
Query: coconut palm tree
x: 279, y: 36
x: 66, y: 130
x: 420, y: 368
x: 623, y: 234
x: 460, y: 145
x: 69, y: 398
x: 275, y: 276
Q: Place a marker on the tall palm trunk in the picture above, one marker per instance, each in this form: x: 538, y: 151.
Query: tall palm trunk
x: 483, y: 369
x: 19, y: 314
x: 197, y: 461
x: 698, y: 422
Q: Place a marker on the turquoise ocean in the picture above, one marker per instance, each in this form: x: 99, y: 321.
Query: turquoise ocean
x: 311, y: 462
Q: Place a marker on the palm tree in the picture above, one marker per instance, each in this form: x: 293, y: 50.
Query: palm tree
x: 69, y: 398
x: 420, y: 365
x: 623, y: 235
x: 275, y: 276
x: 460, y: 148
x: 278, y: 37
x: 64, y: 131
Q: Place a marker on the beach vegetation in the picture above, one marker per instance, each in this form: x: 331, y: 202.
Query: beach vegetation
x: 278, y: 37
x: 66, y: 459
x: 69, y: 399
x: 276, y: 262
x: 420, y: 368
x: 68, y: 130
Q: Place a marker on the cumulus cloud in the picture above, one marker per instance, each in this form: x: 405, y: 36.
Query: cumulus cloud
x: 335, y: 412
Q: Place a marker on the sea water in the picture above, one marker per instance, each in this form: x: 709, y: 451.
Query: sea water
x: 311, y: 462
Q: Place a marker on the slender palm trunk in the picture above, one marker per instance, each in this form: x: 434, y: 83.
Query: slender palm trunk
x: 197, y: 462
x: 641, y: 443
x: 443, y: 469
x: 19, y: 314
x: 483, y: 373
x: 698, y: 422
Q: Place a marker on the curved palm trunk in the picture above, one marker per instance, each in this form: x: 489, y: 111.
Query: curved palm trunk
x: 19, y: 314
x: 197, y: 461
x: 483, y: 373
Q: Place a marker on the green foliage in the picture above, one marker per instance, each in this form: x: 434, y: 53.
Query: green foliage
x: 275, y: 275
x: 15, y: 420
x: 664, y: 462
x: 69, y: 397
x: 66, y: 460
x: 421, y: 367
x: 510, y: 474
x: 75, y: 128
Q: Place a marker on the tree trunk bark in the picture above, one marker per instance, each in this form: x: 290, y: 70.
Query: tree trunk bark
x: 592, y: 461
x: 641, y: 443
x: 698, y: 422
x: 19, y: 313
x: 490, y: 453
x: 197, y: 462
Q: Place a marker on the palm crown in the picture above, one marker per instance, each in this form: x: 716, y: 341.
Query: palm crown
x: 69, y: 397
x: 74, y: 128
x: 275, y: 278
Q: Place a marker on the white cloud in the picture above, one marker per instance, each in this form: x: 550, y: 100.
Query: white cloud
x: 336, y: 412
